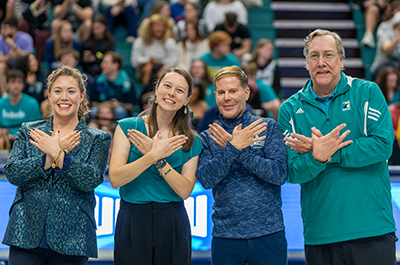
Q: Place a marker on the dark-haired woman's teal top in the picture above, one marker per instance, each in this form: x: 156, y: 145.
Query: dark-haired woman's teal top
x: 150, y: 186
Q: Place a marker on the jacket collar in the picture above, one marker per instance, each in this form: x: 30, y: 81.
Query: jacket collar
x: 48, y: 126
x: 232, y: 123
x: 344, y: 85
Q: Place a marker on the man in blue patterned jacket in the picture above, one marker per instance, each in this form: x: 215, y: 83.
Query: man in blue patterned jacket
x: 244, y: 162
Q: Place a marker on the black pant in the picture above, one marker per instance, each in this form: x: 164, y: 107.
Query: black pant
x: 379, y: 250
x: 42, y: 256
x: 152, y: 234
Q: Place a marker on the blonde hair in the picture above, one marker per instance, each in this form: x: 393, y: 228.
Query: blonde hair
x: 146, y: 32
x: 232, y: 71
x: 7, y: 145
x: 79, y: 77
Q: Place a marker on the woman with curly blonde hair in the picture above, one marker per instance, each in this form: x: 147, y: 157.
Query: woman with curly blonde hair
x: 154, y: 44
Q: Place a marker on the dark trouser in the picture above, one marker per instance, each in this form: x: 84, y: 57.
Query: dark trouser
x: 152, y: 234
x: 128, y: 18
x: 269, y: 249
x: 42, y: 256
x: 379, y: 250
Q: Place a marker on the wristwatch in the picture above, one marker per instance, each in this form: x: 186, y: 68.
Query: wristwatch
x: 160, y: 164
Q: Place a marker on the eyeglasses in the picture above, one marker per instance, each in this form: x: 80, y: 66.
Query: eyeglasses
x: 328, y: 56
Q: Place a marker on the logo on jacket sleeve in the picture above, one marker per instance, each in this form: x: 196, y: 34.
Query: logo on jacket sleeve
x: 346, y: 105
x: 299, y: 111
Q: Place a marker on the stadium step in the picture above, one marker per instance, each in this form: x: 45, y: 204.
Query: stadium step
x: 293, y: 21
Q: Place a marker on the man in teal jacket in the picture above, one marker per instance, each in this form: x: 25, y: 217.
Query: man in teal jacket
x: 345, y: 185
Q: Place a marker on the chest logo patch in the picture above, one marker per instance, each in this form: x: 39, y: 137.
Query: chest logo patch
x: 258, y: 144
x: 346, y: 105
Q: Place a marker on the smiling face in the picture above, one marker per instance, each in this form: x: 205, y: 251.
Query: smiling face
x: 65, y: 97
x: 231, y: 97
x: 172, y: 92
x: 324, y: 74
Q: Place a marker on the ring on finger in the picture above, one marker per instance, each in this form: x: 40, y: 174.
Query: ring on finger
x: 137, y: 142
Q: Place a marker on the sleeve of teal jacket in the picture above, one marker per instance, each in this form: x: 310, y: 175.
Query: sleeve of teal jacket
x: 87, y: 175
x: 22, y: 169
x: 377, y: 141
x: 302, y: 168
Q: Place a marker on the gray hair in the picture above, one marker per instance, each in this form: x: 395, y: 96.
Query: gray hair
x: 322, y: 32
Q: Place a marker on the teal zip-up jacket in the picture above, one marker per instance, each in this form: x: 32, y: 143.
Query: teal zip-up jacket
x: 349, y: 197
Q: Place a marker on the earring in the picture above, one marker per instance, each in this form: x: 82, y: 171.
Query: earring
x: 155, y: 101
x: 185, y: 110
x: 80, y: 104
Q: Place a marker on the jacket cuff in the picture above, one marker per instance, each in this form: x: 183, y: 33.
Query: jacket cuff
x: 66, y: 164
x: 232, y: 152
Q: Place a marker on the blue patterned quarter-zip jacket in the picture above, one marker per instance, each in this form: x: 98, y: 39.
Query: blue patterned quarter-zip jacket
x: 246, y: 184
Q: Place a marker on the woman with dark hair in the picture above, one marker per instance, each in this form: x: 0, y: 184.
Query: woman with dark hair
x: 191, y: 47
x: 63, y: 39
x: 148, y: 89
x: 197, y: 103
x: 154, y: 45
x: 34, y: 78
x: 200, y: 73
x: 388, y: 80
x: 154, y: 162
x: 56, y: 165
x: 93, y: 49
x: 268, y: 69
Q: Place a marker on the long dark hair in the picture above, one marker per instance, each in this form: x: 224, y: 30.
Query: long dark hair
x: 106, y: 38
x: 22, y: 64
x: 381, y: 79
x: 196, y: 27
x: 181, y: 121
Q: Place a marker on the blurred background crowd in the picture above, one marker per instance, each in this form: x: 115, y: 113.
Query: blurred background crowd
x: 123, y: 46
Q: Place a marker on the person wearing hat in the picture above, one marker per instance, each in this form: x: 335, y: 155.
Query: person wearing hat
x: 388, y: 39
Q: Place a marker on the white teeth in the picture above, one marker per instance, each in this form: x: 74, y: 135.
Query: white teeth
x: 169, y: 100
x: 64, y: 106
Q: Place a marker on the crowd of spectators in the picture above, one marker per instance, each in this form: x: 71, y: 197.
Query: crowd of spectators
x: 201, y: 37
x: 382, y: 19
